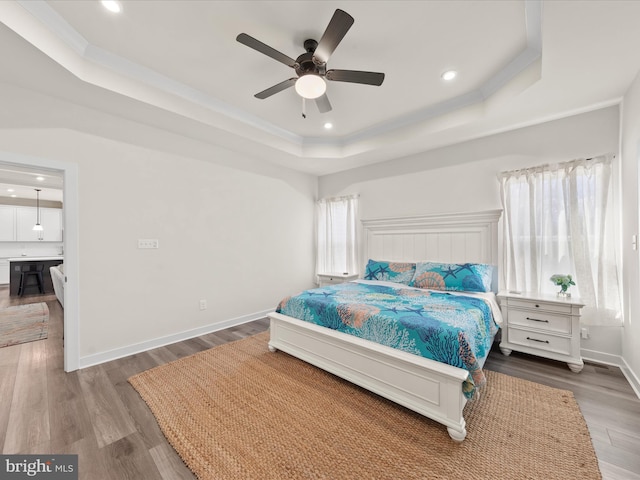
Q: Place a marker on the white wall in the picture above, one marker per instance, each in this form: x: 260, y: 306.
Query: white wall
x: 228, y: 223
x: 463, y: 177
x: 231, y: 230
x: 630, y: 155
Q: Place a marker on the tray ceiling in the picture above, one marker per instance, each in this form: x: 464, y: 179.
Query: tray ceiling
x: 518, y: 63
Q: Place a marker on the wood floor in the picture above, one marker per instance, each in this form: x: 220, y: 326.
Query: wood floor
x: 96, y: 414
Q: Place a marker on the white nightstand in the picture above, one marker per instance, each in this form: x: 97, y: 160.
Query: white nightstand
x: 335, y: 278
x: 543, y: 325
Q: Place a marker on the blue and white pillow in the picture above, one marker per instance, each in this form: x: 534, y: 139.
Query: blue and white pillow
x: 459, y: 277
x: 390, y: 271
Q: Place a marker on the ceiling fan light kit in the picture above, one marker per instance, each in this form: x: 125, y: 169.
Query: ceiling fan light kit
x: 449, y: 75
x: 112, y: 5
x: 310, y: 86
x: 311, y: 66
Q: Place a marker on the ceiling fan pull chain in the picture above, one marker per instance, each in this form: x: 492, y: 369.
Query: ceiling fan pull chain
x: 304, y: 107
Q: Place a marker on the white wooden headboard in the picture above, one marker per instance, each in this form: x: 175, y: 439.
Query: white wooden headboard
x: 452, y: 237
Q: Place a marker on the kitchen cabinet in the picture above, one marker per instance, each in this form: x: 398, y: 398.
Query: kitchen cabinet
x: 7, y: 223
x: 50, y: 219
x: 25, y: 220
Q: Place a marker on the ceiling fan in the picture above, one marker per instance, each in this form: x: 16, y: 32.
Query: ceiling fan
x: 311, y: 66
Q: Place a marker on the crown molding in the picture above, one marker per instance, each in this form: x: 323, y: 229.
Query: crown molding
x: 43, y: 27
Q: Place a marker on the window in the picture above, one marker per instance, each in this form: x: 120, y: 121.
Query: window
x: 560, y: 219
x: 337, y: 248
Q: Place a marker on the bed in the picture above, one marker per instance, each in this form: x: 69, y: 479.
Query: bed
x: 434, y: 389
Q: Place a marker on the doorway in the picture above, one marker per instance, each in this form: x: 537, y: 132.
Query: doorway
x: 69, y: 174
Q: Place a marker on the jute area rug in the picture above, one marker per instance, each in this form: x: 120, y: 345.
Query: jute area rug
x: 239, y: 411
x: 23, y: 323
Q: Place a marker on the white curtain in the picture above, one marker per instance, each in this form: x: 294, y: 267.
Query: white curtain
x: 560, y: 219
x: 337, y: 246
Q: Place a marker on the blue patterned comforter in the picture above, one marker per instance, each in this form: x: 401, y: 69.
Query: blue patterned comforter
x: 453, y: 329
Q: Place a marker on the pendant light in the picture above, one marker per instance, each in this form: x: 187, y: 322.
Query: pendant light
x: 37, y: 227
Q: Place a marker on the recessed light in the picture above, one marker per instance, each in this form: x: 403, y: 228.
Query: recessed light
x: 112, y: 5
x: 10, y: 190
x: 449, y: 75
x: 328, y: 125
x: 40, y: 179
x: 13, y: 196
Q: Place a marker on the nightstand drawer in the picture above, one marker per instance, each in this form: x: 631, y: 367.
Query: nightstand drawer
x: 540, y: 341
x: 327, y: 279
x: 333, y: 280
x: 541, y: 320
x: 548, y: 307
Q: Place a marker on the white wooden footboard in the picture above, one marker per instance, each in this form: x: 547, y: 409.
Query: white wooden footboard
x: 430, y: 388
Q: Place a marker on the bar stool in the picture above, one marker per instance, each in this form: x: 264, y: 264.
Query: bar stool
x: 28, y: 271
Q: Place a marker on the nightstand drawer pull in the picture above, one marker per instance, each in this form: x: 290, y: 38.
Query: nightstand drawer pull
x: 536, y: 340
x: 549, y: 322
x: 537, y: 320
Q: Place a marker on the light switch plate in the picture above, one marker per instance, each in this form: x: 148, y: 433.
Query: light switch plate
x: 148, y: 243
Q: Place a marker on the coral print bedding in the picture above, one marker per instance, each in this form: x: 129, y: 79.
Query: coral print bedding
x: 449, y: 328
x: 457, y: 277
x: 391, y: 271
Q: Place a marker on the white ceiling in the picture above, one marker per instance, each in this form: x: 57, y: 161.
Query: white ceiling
x: 21, y: 182
x: 177, y: 64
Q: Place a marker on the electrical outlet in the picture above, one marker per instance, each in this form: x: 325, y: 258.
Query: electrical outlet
x: 584, y: 332
x: 203, y: 304
x: 148, y: 243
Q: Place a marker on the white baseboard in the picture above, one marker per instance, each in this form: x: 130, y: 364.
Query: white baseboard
x: 102, y: 357
x: 601, y: 357
x: 631, y: 377
x: 616, y: 360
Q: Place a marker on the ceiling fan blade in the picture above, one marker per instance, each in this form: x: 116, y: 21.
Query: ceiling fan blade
x: 276, y: 88
x: 355, y: 76
x: 323, y: 104
x: 336, y: 30
x: 251, y: 42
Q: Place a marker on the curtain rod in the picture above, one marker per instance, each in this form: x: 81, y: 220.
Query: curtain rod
x: 544, y: 166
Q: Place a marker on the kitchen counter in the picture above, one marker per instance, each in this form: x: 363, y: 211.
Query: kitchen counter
x: 36, y: 259
x: 47, y: 262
